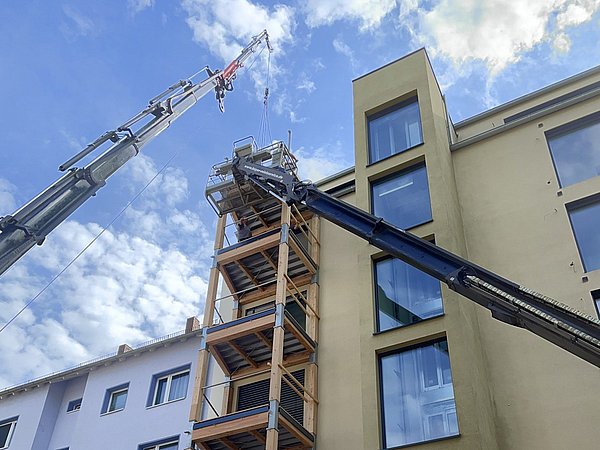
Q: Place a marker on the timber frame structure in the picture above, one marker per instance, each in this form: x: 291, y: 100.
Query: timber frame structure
x: 266, y: 353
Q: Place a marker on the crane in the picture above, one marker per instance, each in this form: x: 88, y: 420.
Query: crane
x: 30, y: 225
x: 509, y: 302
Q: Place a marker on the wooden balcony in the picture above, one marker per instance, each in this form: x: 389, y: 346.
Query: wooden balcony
x: 250, y: 267
x: 247, y: 430
x: 245, y: 344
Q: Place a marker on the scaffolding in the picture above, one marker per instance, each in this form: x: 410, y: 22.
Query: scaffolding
x: 266, y: 351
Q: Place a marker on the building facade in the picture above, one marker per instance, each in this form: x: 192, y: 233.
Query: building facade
x: 320, y: 340
x: 137, y: 399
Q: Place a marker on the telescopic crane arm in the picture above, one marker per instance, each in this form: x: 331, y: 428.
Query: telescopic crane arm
x: 31, y: 224
x: 571, y: 330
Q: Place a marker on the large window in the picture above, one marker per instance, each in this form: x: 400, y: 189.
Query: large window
x: 404, y: 295
x: 575, y: 149
x: 394, y: 130
x: 7, y: 429
x: 403, y: 199
x: 417, y: 395
x: 584, y: 219
x: 115, y: 398
x: 169, y: 386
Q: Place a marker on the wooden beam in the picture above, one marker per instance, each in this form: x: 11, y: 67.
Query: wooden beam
x: 295, y: 432
x: 298, y: 335
x: 269, y: 260
x: 249, y: 275
x: 299, y: 251
x: 265, y: 340
x: 235, y: 331
x: 219, y: 358
x: 243, y: 354
x: 248, y: 249
x: 259, y: 437
x: 231, y: 427
x: 310, y: 408
x: 199, y: 382
x: 227, y: 443
x: 259, y: 216
x: 270, y: 290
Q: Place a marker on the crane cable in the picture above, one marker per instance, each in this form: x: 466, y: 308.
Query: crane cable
x: 264, y: 133
x: 64, y: 269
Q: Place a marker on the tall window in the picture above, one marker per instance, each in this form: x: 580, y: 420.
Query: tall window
x: 115, y: 398
x: 596, y: 299
x: 169, y: 386
x: 417, y: 395
x: 394, y: 130
x: 403, y: 198
x: 7, y: 429
x: 404, y: 295
x: 584, y: 219
x: 575, y: 149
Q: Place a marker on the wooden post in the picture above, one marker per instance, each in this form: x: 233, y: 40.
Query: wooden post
x: 278, y: 331
x: 209, y: 311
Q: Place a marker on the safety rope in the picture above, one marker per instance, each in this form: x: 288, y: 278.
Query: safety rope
x: 264, y: 137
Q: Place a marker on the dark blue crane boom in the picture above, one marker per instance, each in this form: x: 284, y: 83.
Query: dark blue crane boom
x: 509, y: 302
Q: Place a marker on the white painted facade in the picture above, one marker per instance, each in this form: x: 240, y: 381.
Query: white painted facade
x: 43, y: 422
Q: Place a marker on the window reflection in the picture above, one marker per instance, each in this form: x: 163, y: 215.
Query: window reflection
x: 585, y: 226
x: 417, y: 395
x: 395, y: 131
x: 405, y: 295
x: 575, y: 150
x: 403, y: 199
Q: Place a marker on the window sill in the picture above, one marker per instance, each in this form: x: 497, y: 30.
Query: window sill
x: 414, y: 444
x: 107, y: 413
x: 371, y: 164
x: 377, y: 333
x: 166, y: 403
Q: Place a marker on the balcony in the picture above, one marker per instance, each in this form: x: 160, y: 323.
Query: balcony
x: 247, y: 430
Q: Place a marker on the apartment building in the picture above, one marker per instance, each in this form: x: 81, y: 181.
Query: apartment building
x: 136, y: 399
x: 312, y: 338
x: 399, y: 359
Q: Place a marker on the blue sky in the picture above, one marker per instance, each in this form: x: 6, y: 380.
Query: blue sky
x: 71, y: 70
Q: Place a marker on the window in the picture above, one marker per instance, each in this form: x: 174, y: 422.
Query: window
x: 417, y: 395
x: 171, y: 443
x: 169, y: 386
x: 596, y: 299
x: 575, y: 149
x: 404, y: 294
x: 115, y: 398
x: 403, y: 199
x: 584, y: 219
x: 7, y: 429
x: 394, y: 130
x: 74, y: 405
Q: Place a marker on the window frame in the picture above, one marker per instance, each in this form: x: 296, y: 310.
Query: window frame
x: 12, y: 422
x: 596, y: 299
x: 413, y: 99
x: 156, y: 445
x: 576, y: 205
x: 378, y: 329
x: 108, y: 396
x: 168, y: 374
x: 564, y: 129
x: 411, y: 168
x: 425, y: 418
x: 74, y: 405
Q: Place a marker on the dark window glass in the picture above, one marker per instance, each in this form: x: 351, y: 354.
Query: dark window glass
x: 394, y: 131
x: 169, y: 386
x: 74, y: 405
x: 115, y: 398
x: 596, y: 299
x: 585, y: 221
x: 417, y: 395
x: 164, y: 444
x: 404, y: 294
x: 575, y: 150
x: 7, y: 429
x: 403, y: 199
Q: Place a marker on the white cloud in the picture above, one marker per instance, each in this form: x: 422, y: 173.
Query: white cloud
x: 344, y: 49
x: 224, y: 33
x: 7, y: 199
x: 498, y: 32
x: 78, y: 24
x: 136, y: 6
x: 133, y: 284
x: 306, y: 84
x: 315, y: 164
x: 369, y: 13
